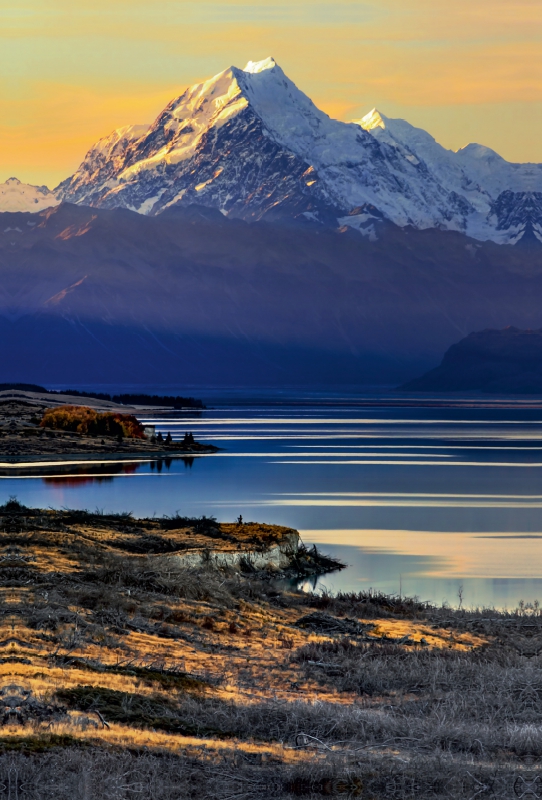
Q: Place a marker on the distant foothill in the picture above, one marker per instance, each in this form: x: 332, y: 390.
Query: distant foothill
x: 507, y: 361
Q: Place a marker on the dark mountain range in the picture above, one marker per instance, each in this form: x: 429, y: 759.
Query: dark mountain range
x: 505, y: 361
x: 191, y: 297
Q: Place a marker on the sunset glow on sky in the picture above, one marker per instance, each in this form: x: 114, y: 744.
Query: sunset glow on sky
x: 467, y: 70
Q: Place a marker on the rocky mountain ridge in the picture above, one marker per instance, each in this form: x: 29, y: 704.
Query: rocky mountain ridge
x: 505, y: 199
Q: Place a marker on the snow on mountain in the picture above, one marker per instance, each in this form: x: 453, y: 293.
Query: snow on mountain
x: 478, y: 173
x: 251, y: 144
x: 17, y: 196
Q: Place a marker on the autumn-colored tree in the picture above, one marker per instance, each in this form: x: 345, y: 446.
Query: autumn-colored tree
x: 87, y: 421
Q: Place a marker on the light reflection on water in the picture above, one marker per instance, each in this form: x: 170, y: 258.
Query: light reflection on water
x: 416, y: 500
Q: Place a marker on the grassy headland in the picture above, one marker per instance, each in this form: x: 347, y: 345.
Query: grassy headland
x: 123, y: 665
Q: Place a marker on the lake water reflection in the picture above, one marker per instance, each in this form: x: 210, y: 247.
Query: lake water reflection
x: 417, y: 499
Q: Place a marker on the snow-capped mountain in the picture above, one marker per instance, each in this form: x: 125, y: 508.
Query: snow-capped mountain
x: 253, y: 145
x: 249, y: 143
x: 17, y: 196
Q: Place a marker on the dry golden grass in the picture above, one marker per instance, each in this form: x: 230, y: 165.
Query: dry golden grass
x: 84, y: 728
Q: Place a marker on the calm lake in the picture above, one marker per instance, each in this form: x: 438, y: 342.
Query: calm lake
x: 439, y: 501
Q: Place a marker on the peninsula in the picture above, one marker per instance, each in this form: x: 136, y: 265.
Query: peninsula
x: 31, y: 426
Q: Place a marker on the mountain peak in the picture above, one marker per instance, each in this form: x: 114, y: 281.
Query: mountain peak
x: 478, y: 151
x: 18, y: 196
x: 372, y: 120
x: 260, y: 66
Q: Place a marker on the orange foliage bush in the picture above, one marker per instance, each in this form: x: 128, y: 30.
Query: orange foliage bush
x: 81, y: 419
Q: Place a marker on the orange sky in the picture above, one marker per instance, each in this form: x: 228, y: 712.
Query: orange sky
x: 466, y: 70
